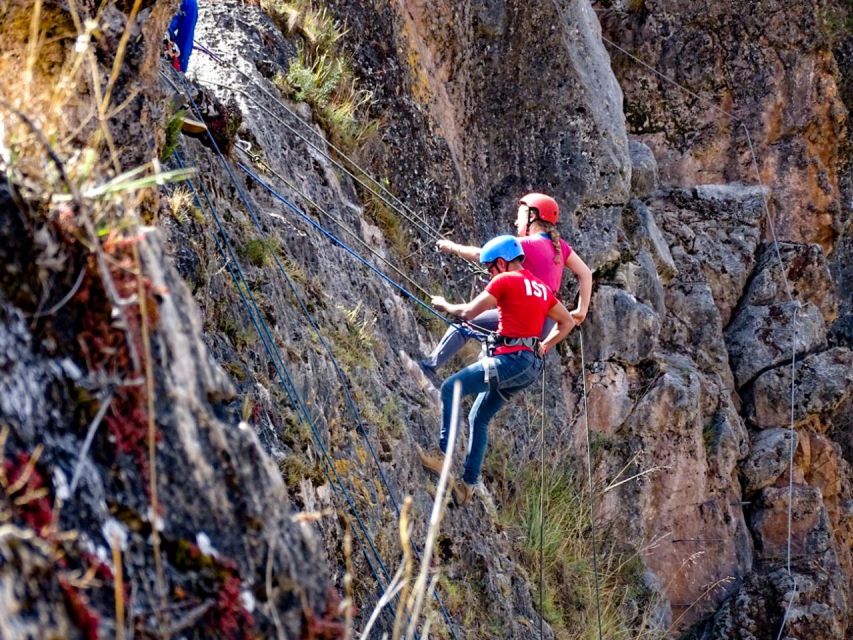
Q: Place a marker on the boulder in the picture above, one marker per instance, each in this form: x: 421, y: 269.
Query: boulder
x: 804, y: 273
x: 823, y: 384
x: 769, y: 455
x: 713, y: 232
x: 620, y: 327
x: 762, y: 337
x: 810, y: 531
x: 644, y: 169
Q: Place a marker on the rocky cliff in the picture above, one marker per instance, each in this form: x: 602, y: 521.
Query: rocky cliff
x: 204, y: 399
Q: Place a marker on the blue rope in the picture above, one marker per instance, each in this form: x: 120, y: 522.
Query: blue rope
x: 252, y: 310
x: 343, y: 245
x: 356, y: 413
x: 294, y: 396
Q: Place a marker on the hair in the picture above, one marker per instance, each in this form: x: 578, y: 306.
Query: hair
x: 551, y: 230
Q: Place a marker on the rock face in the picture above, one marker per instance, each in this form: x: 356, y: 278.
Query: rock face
x: 286, y: 420
x: 109, y: 468
x: 781, y: 87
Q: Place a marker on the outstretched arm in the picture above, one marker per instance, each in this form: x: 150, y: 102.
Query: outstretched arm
x: 472, y: 254
x: 584, y: 275
x: 565, y: 323
x: 466, y: 310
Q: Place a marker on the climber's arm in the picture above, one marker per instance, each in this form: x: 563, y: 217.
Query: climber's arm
x: 584, y: 276
x: 466, y: 310
x: 472, y: 254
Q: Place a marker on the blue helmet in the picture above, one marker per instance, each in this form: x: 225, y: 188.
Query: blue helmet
x: 506, y: 247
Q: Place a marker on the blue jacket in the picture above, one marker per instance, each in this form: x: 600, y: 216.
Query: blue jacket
x: 182, y: 30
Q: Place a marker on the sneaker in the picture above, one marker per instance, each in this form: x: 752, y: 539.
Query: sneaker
x: 432, y: 460
x: 430, y: 373
x: 462, y: 492
x: 192, y: 127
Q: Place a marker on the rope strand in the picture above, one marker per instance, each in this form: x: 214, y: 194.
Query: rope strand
x: 591, y: 489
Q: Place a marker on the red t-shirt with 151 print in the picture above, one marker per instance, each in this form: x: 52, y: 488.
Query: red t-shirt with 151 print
x: 523, y: 302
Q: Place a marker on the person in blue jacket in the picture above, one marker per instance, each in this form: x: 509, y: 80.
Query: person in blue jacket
x: 182, y: 32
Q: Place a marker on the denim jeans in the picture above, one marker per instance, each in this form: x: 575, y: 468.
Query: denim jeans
x: 510, y: 373
x: 456, y: 336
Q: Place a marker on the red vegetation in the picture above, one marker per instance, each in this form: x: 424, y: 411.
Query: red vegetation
x: 31, y: 499
x: 326, y: 626
x: 86, y: 618
x: 115, y: 351
x: 229, y: 619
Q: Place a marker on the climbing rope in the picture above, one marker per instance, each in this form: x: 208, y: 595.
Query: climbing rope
x: 591, y: 489
x: 341, y: 225
x: 402, y: 210
x: 795, y: 303
x: 405, y: 212
x: 542, y: 514
x: 477, y: 332
x: 253, y: 212
x: 345, y: 385
x: 261, y: 327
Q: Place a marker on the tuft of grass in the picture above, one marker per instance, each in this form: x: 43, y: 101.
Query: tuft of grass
x: 388, y: 221
x: 321, y: 75
x: 320, y: 30
x: 173, y: 135
x: 259, y: 251
x: 355, y: 341
x: 326, y: 82
x: 569, y: 599
x: 181, y: 205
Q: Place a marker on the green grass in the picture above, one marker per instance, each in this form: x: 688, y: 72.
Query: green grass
x: 259, y: 251
x: 569, y: 602
x: 173, y: 135
x: 321, y: 75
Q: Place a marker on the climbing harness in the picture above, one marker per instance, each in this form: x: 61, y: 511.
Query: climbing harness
x: 495, y: 340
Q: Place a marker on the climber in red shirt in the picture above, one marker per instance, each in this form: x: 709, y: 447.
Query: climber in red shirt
x: 515, y: 356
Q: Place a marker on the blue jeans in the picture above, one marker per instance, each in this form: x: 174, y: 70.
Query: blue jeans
x: 508, y: 374
x: 456, y: 336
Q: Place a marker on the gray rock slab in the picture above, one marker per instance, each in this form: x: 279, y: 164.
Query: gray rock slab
x: 760, y: 338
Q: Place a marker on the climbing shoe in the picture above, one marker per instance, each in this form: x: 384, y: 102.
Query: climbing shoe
x: 431, y: 460
x: 462, y: 492
x: 192, y: 127
x: 430, y: 373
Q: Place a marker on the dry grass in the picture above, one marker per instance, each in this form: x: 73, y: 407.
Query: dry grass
x: 58, y: 115
x: 570, y: 598
x: 321, y: 74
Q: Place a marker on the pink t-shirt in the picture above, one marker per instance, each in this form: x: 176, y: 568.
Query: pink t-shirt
x: 539, y: 259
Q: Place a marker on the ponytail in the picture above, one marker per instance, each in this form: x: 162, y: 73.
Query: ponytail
x: 552, y: 232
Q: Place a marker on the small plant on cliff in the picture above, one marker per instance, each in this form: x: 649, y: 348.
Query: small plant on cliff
x: 571, y: 585
x: 321, y: 74
x: 259, y: 251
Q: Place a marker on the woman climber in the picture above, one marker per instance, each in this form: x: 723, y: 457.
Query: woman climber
x: 523, y: 302
x: 546, y: 255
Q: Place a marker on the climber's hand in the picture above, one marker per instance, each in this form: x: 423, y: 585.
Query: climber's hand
x: 439, y: 303
x: 445, y: 246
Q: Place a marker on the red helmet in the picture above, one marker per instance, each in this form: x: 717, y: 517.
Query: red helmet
x: 546, y: 207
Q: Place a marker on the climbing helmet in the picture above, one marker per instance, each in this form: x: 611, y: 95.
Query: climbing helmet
x: 546, y: 207
x: 506, y: 247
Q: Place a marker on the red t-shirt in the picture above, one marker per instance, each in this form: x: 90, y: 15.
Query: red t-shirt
x: 523, y: 302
